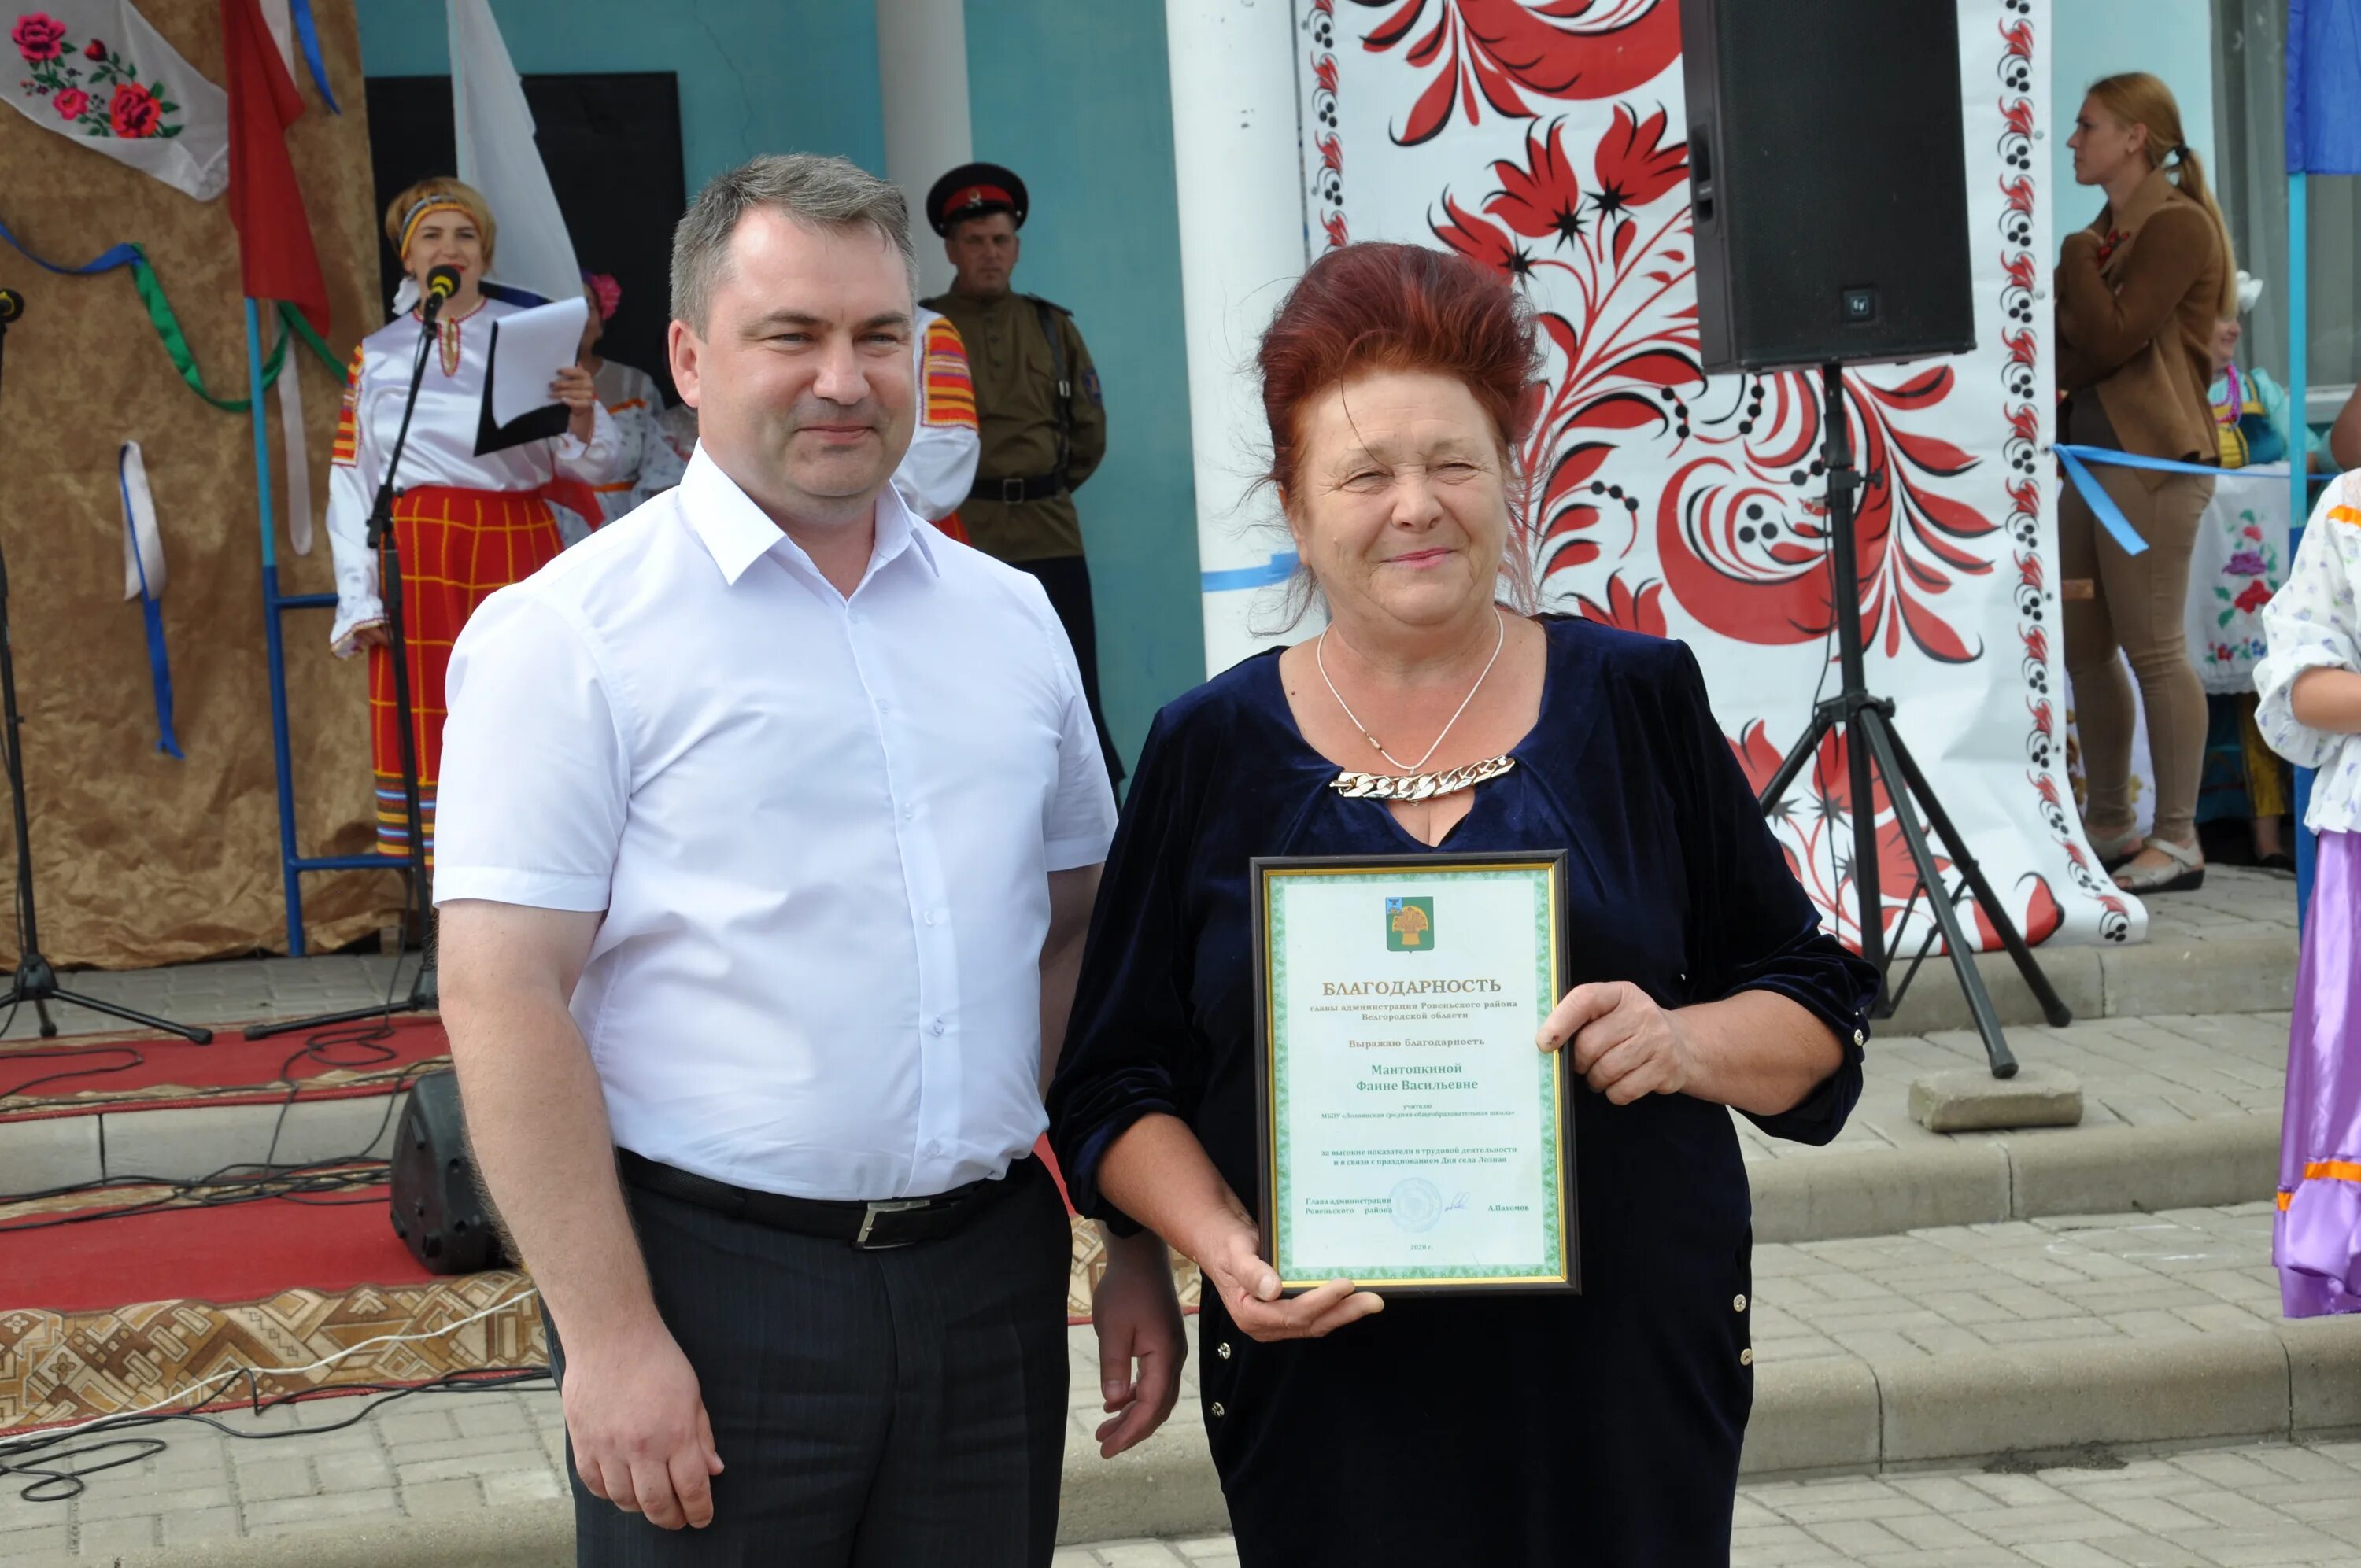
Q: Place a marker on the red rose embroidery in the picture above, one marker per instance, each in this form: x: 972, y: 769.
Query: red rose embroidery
x: 71, y: 102
x: 2255, y: 594
x: 132, y: 111
x: 37, y: 36
x: 93, y: 50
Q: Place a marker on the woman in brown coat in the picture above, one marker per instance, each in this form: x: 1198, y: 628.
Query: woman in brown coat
x: 2139, y: 294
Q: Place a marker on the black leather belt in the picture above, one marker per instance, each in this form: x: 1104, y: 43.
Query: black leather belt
x: 1039, y: 487
x: 873, y: 1226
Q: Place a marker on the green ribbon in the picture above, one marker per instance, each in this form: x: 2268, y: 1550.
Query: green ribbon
x: 167, y: 323
x: 176, y: 343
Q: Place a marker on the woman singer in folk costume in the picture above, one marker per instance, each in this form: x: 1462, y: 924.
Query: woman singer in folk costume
x: 465, y: 525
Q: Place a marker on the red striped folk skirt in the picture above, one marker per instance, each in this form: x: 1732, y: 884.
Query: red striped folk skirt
x: 457, y: 547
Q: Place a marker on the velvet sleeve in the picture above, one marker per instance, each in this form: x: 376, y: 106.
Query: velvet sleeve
x: 1751, y: 926
x: 1131, y: 1047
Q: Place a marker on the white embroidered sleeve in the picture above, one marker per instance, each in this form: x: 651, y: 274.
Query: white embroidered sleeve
x: 2310, y: 624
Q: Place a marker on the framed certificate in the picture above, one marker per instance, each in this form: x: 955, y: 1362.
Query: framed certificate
x: 1413, y: 1138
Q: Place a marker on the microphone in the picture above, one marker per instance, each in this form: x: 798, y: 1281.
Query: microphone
x: 442, y: 282
x: 12, y: 305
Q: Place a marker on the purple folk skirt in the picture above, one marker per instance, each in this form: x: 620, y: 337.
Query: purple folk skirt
x: 2316, y: 1241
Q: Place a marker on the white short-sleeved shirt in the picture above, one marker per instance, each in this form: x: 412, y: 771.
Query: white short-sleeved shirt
x: 821, y: 830
x: 2312, y: 623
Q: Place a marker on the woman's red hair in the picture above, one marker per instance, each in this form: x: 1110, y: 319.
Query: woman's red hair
x: 1386, y: 307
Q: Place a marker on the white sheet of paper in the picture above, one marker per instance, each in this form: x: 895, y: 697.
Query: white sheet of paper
x: 534, y: 345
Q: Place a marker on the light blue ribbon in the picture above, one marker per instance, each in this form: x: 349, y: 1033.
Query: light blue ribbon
x: 309, y: 32
x: 1278, y: 569
x: 160, y: 662
x: 2103, y: 505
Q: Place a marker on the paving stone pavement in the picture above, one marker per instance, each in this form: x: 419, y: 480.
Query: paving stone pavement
x: 2146, y: 1279
x: 2135, y: 1072
x: 2279, y: 1505
x: 231, y: 990
x: 1971, y: 1287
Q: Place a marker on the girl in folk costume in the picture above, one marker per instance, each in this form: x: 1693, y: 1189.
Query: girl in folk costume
x: 628, y: 394
x: 2310, y: 713
x: 465, y: 525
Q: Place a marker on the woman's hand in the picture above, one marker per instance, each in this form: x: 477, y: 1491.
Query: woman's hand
x: 372, y: 635
x: 1624, y: 1046
x: 1233, y: 1264
x: 575, y: 389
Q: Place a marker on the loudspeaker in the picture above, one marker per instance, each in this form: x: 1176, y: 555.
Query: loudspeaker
x: 438, y: 1206
x: 1828, y: 181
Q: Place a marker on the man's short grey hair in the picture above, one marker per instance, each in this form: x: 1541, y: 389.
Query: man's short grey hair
x: 818, y: 192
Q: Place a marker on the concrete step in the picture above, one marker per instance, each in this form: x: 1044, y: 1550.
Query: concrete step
x: 2229, y: 947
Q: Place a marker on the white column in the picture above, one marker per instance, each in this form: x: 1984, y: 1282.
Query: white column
x: 1239, y: 174
x: 922, y: 79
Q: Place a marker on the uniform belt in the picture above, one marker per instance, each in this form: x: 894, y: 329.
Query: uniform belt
x: 1039, y: 487
x: 873, y: 1226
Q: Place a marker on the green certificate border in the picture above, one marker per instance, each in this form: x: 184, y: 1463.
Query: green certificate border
x: 1559, y: 1268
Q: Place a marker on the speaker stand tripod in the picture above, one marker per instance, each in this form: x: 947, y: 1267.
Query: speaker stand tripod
x: 383, y: 539
x: 1866, y: 722
x: 35, y: 980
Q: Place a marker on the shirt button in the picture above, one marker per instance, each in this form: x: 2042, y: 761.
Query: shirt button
x: 909, y: 813
x: 1859, y: 1037
x: 934, y: 1145
x: 1222, y: 1349
x: 1738, y: 1303
x: 939, y: 1025
x: 930, y: 917
x: 1746, y: 1357
x: 884, y: 706
x: 1217, y: 1411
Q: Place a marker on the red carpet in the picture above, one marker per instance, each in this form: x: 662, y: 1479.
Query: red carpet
x: 242, y: 1253
x: 153, y: 1072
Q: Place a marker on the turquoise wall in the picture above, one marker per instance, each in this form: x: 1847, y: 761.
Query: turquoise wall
x: 1076, y: 99
x: 755, y: 75
x: 2169, y: 39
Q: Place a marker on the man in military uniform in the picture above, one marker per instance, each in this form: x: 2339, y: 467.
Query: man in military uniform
x: 1037, y: 398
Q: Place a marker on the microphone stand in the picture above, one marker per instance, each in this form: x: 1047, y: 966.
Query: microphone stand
x: 36, y: 981
x: 383, y: 539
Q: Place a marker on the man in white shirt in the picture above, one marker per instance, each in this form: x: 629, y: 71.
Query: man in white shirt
x: 753, y: 893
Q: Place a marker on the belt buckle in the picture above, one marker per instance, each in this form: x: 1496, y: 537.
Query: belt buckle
x: 885, y: 1206
x: 1012, y: 491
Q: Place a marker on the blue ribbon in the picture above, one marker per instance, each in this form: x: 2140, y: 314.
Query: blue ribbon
x: 1278, y: 569
x: 107, y: 261
x: 2103, y: 505
x: 309, y: 32
x: 160, y: 662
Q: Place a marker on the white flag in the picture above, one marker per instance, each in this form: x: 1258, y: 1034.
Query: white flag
x: 94, y: 70
x: 498, y: 157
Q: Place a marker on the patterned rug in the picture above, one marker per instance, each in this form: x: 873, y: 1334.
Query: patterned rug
x: 57, y: 1368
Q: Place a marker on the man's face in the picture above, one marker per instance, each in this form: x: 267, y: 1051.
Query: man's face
x: 984, y: 252
x: 802, y: 379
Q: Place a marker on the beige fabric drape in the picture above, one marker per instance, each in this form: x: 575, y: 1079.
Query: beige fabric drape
x: 140, y: 859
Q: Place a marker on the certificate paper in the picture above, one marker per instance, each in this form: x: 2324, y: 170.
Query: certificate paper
x: 1412, y: 1135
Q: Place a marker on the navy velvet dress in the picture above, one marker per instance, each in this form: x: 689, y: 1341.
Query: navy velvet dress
x: 1598, y: 1429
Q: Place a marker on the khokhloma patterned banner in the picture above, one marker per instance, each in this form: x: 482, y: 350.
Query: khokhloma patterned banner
x: 1546, y: 139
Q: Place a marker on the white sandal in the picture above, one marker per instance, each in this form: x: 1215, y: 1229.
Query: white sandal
x: 2114, y: 852
x: 2187, y: 874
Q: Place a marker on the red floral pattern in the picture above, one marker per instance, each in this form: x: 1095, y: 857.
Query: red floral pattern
x: 1634, y: 454
x: 1496, y: 52
x: 132, y: 109
x: 38, y: 36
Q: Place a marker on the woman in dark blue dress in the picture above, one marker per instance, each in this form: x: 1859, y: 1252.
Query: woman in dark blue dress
x: 1498, y: 1430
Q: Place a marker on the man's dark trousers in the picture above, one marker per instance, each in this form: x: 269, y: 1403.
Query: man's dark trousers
x: 901, y: 1409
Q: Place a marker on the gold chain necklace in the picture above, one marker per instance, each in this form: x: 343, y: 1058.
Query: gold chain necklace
x: 1319, y: 657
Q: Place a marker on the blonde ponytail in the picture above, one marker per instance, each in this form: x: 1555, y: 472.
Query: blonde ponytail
x: 2136, y: 98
